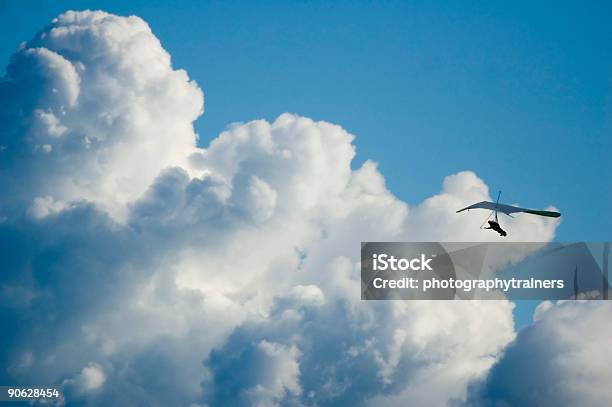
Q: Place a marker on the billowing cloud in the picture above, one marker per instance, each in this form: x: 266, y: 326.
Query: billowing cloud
x: 144, y: 270
x: 93, y: 110
x: 561, y: 360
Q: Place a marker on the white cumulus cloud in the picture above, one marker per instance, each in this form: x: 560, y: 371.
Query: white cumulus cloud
x: 99, y: 111
x: 561, y: 360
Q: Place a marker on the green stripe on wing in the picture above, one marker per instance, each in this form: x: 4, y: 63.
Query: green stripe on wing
x: 550, y: 214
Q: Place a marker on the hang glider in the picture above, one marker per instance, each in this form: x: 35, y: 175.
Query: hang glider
x: 509, y: 209
x: 496, y: 207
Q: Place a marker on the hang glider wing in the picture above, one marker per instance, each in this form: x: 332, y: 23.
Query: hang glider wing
x: 508, y: 209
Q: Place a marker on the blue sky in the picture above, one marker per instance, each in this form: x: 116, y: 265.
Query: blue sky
x: 518, y: 92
